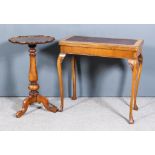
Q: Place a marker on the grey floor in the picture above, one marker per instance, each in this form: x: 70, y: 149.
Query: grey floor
x: 102, y: 113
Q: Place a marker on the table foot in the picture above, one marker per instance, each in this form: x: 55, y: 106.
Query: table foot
x: 45, y: 102
x: 131, y: 120
x: 20, y: 113
x: 135, y: 107
x: 28, y: 101
x: 60, y: 108
x: 73, y: 98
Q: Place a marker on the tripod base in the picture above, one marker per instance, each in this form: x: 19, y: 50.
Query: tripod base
x: 36, y: 98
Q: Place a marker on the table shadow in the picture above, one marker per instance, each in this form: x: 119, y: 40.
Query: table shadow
x: 106, y: 105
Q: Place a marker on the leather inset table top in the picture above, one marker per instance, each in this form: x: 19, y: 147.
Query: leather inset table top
x: 102, y: 40
x: 102, y: 43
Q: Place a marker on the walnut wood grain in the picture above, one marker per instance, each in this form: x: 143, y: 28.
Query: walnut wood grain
x: 108, y: 46
x: 34, y: 95
x: 74, y: 78
x: 139, y: 71
x: 130, y: 49
x: 59, y: 67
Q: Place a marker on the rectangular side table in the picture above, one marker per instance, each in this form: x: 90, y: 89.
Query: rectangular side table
x: 129, y: 49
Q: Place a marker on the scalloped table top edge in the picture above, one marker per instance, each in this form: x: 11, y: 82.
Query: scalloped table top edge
x: 32, y: 39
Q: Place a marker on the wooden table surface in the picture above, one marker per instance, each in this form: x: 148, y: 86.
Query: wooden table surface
x: 93, y: 46
x: 32, y: 39
x: 33, y: 87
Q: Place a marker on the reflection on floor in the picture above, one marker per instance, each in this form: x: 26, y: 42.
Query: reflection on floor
x: 99, y: 113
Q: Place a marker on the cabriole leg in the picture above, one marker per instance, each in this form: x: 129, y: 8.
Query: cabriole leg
x: 74, y: 78
x: 134, y: 66
x: 59, y: 67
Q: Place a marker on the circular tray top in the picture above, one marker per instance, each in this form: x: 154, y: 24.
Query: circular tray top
x: 32, y: 40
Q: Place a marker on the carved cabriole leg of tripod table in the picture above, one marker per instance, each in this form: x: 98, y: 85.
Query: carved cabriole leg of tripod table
x: 136, y: 67
x: 59, y: 66
x: 33, y: 87
x: 74, y: 78
x: 29, y: 100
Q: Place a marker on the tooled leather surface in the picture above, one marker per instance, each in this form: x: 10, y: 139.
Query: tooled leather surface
x: 102, y: 40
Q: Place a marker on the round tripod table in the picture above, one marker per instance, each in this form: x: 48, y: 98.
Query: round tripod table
x: 34, y: 95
